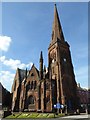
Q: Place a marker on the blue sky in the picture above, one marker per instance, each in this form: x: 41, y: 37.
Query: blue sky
x: 27, y: 29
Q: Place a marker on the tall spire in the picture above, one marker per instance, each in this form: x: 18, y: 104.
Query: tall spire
x: 57, y: 29
x: 41, y: 56
x: 41, y: 66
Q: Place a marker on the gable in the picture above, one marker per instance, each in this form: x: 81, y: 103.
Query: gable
x: 19, y: 76
x: 33, y: 74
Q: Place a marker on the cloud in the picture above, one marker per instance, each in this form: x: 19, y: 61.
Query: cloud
x: 14, y: 64
x: 5, y: 43
x: 6, y: 78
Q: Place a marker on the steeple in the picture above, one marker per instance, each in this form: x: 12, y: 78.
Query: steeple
x: 56, y: 29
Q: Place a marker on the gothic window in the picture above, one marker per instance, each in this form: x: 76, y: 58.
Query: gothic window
x: 47, y: 86
x: 31, y: 100
x: 28, y: 86
x: 32, y: 74
x: 34, y: 85
x: 31, y: 85
x: 53, y: 57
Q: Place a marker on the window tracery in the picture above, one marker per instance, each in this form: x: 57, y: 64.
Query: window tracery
x: 32, y: 85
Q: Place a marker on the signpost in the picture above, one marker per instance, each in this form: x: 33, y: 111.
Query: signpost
x: 58, y: 107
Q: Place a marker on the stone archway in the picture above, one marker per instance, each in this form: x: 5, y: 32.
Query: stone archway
x: 31, y: 99
x: 31, y: 103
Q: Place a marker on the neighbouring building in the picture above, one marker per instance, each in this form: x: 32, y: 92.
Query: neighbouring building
x: 39, y: 90
x: 5, y: 98
x: 83, y: 94
x: 84, y: 98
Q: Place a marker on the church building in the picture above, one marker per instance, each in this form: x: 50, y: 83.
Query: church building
x: 39, y: 90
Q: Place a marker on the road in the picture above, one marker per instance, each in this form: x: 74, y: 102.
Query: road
x: 73, y: 117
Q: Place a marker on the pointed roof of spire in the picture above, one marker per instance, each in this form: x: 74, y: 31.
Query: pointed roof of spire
x: 57, y: 29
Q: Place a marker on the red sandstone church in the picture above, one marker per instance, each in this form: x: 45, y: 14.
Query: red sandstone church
x: 40, y: 90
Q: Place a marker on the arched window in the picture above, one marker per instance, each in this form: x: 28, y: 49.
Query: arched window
x: 28, y: 86
x: 47, y: 86
x: 34, y: 85
x: 31, y: 100
x: 31, y: 85
x: 32, y: 74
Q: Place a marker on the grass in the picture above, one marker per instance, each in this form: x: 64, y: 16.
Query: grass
x: 23, y: 115
x: 34, y: 115
x: 61, y: 115
x: 42, y: 115
x: 13, y: 115
x: 51, y: 115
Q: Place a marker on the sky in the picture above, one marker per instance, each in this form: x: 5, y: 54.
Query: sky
x: 27, y: 29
